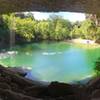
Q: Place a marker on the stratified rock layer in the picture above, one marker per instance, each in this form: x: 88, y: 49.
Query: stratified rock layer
x: 14, y: 86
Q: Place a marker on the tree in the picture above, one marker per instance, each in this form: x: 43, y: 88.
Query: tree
x: 76, y: 31
x: 59, y: 27
x: 9, y: 25
x: 42, y: 29
x: 25, y: 28
x: 54, y: 28
x: 88, y: 28
x: 30, y: 15
x: 97, y: 67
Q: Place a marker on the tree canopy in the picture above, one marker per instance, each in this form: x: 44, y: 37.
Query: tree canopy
x: 56, y: 28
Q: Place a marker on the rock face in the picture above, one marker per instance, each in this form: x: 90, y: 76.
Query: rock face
x: 14, y: 86
x: 89, y: 6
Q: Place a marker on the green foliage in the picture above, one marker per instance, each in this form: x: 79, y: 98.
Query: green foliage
x: 98, y: 33
x: 54, y: 28
x: 76, y: 32
x: 97, y: 67
x: 25, y: 28
x: 30, y: 15
x: 86, y: 30
x: 59, y: 28
x: 42, y: 29
x: 3, y: 27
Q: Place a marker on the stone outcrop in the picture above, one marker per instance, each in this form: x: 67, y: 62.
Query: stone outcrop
x: 89, y: 6
x: 14, y: 86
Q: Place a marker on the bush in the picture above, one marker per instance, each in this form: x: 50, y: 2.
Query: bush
x: 97, y: 67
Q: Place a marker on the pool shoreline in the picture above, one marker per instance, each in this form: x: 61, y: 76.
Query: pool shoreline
x: 59, y: 61
x: 84, y: 42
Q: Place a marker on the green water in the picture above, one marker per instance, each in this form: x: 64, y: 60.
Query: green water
x: 54, y: 61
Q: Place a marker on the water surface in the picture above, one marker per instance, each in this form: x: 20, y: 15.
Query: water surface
x: 53, y: 61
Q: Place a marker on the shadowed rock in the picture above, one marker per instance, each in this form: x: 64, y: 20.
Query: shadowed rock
x: 61, y: 89
x: 89, y: 6
x: 19, y: 71
x: 16, y: 87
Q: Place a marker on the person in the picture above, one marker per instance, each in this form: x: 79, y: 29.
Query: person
x: 88, y: 41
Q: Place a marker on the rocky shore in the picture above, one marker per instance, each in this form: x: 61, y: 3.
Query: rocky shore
x: 14, y: 86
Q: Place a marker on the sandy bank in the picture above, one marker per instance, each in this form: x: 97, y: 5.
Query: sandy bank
x: 82, y: 41
x: 85, y: 42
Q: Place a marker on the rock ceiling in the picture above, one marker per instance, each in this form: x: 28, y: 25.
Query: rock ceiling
x: 88, y: 6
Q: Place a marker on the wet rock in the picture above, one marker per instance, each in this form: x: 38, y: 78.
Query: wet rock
x: 20, y: 71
